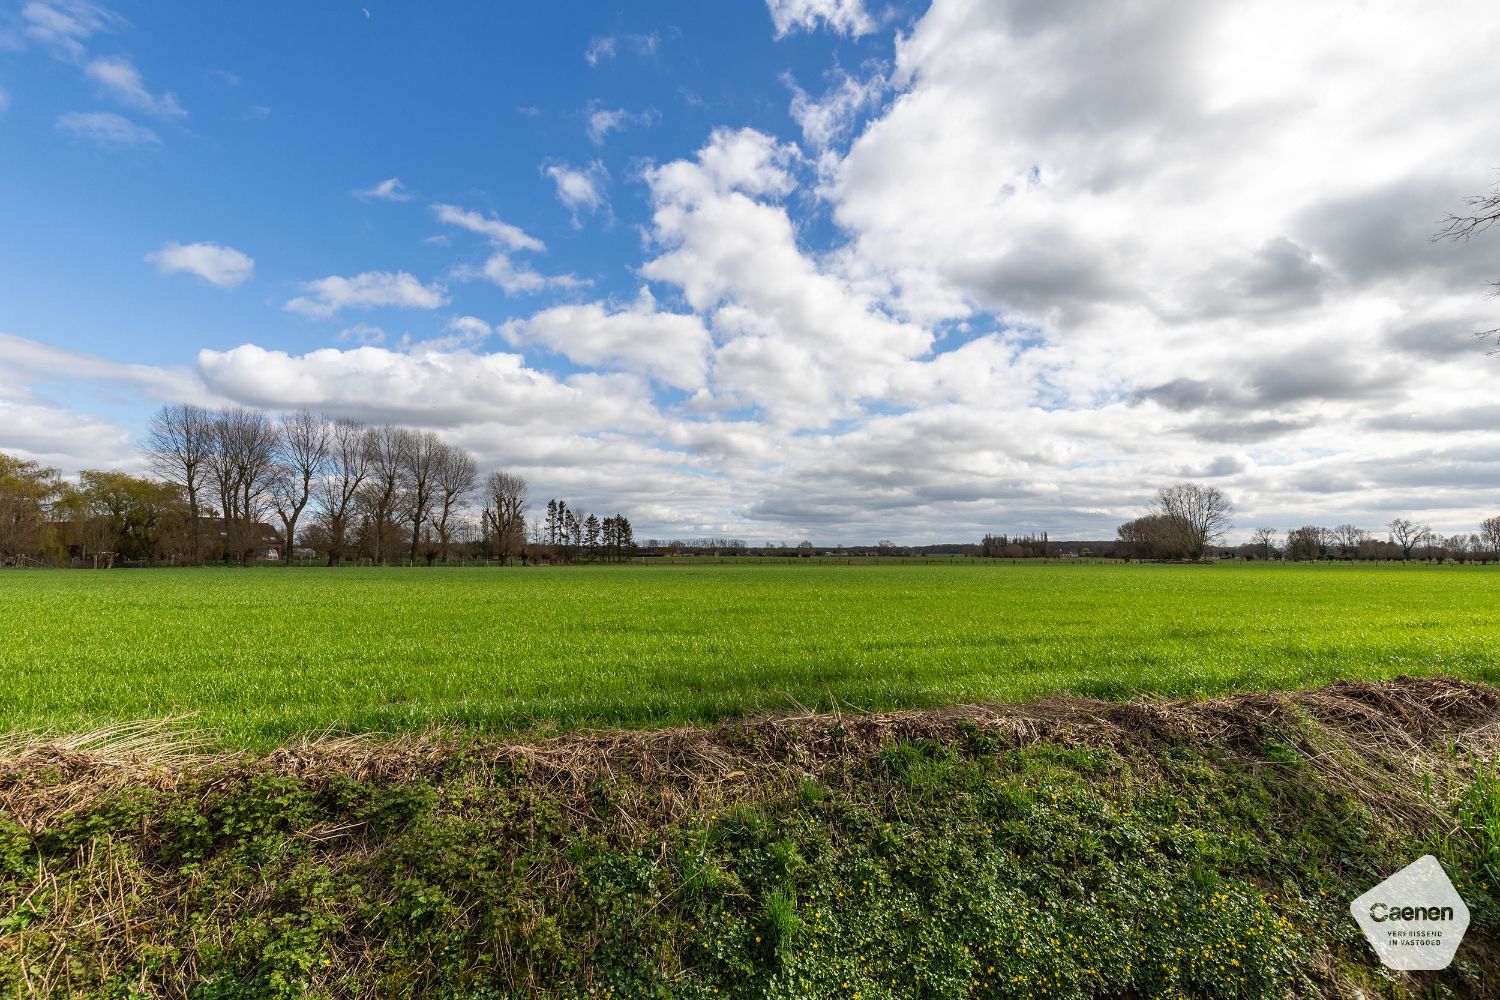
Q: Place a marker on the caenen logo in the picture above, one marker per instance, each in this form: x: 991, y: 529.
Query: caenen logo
x: 1382, y: 912
x: 1415, y: 919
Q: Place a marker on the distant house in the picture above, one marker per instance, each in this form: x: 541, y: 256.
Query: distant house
x: 266, y: 540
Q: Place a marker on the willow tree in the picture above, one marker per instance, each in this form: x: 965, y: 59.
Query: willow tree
x: 27, y: 490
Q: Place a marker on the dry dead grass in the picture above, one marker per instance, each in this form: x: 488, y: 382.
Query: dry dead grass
x: 1365, y: 732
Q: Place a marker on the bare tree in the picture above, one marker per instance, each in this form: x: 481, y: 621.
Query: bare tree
x: 349, y: 448
x: 1306, y: 542
x: 1266, y: 539
x: 241, y: 468
x: 457, y: 475
x: 1349, y: 538
x: 1483, y: 211
x: 302, y: 457
x: 505, y: 496
x: 389, y: 447
x: 424, y: 457
x: 179, y: 441
x: 1199, y: 514
x: 1489, y: 535
x: 1408, y: 534
x: 1455, y: 547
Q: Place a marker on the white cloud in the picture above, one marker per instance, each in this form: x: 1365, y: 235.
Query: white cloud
x: 579, y: 189
x: 39, y: 431
x: 830, y: 117
x: 1180, y: 229
x: 390, y: 189
x: 4, y: 100
x: 733, y: 160
x: 369, y: 290
x: 19, y: 355
x: 118, y: 77
x: 603, y: 48
x: 602, y: 121
x: 495, y: 230
x: 670, y: 347
x: 362, y: 334
x: 518, y: 279
x: 63, y: 25
x: 107, y: 129
x: 795, y: 337
x: 599, y: 49
x: 845, y: 17
x: 218, y: 265
x: 430, y: 388
x: 466, y: 332
x: 499, y: 268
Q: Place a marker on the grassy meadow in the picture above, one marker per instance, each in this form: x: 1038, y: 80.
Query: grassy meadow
x: 254, y: 657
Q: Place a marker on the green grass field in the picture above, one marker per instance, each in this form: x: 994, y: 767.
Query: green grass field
x: 255, y: 657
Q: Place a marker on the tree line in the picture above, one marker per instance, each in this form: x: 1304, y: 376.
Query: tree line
x: 232, y: 484
x: 1405, y: 540
x: 1185, y: 520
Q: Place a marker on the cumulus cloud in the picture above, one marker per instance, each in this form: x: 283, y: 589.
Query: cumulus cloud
x: 390, y: 189
x: 38, y: 429
x: 55, y: 437
x: 846, y: 17
x: 794, y: 337
x: 118, y: 78
x: 669, y: 347
x: 579, y: 189
x: 224, y: 267
x: 743, y: 160
x: 428, y: 388
x: 830, y: 117
x: 460, y: 333
x: 106, y: 129
x: 369, y: 290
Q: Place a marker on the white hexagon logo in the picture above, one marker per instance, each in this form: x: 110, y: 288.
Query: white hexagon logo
x: 1415, y: 919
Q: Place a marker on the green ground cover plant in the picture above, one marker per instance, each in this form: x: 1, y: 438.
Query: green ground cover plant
x: 1065, y: 849
x: 252, y: 658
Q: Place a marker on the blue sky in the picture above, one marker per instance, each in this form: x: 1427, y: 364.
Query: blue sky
x: 291, y: 107
x: 775, y: 269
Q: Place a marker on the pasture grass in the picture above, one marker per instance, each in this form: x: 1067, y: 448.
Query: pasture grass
x: 254, y: 657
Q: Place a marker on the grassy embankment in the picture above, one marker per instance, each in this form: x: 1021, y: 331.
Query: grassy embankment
x: 1060, y: 850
